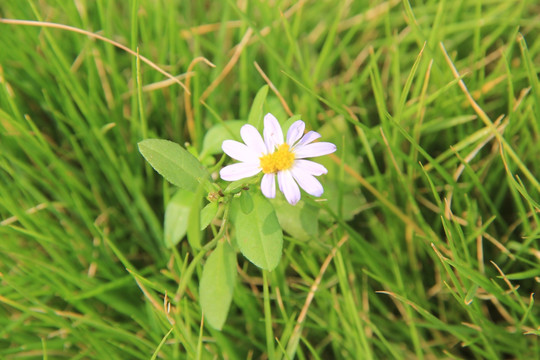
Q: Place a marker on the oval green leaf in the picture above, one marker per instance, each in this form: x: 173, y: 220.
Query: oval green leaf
x: 246, y: 203
x: 208, y: 213
x: 177, y: 216
x: 217, y: 285
x: 258, y: 233
x: 174, y: 163
x: 301, y: 221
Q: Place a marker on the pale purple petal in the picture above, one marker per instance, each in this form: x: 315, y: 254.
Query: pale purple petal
x: 268, y: 185
x: 309, y: 137
x: 288, y: 187
x: 308, y: 182
x: 309, y: 167
x: 253, y: 139
x: 295, y: 132
x: 239, y: 171
x: 273, y: 135
x: 239, y: 151
x: 314, y: 150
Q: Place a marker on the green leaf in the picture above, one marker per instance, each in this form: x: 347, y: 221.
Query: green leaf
x: 180, y: 218
x: 218, y: 133
x: 527, y: 274
x: 217, y: 285
x: 177, y: 216
x: 301, y: 221
x: 258, y: 233
x: 237, y: 185
x: 174, y: 163
x: 208, y: 213
x: 246, y: 202
x: 255, y: 116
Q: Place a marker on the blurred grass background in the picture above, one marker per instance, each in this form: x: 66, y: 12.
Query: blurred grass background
x: 427, y: 245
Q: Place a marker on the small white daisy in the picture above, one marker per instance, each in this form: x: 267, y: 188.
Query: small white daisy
x: 274, y: 157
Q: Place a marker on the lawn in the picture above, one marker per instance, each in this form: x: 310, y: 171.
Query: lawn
x: 424, y: 244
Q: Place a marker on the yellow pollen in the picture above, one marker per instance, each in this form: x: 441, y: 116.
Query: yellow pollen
x: 281, y: 159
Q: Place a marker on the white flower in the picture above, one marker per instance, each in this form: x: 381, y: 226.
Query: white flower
x: 274, y: 157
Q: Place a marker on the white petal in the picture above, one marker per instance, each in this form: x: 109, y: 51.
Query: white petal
x: 253, y: 139
x: 288, y: 187
x: 273, y: 135
x: 314, y: 150
x: 295, y: 132
x: 268, y: 185
x: 309, y: 167
x: 239, y: 171
x: 309, y: 137
x: 308, y: 182
x: 239, y: 151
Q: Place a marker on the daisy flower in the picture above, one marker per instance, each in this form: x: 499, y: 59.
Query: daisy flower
x: 278, y: 158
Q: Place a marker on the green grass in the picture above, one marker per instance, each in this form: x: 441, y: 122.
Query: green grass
x: 427, y: 247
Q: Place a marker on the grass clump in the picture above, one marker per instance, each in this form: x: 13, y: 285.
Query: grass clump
x: 427, y: 243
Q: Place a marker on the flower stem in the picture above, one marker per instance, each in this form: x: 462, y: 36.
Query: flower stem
x: 209, y: 246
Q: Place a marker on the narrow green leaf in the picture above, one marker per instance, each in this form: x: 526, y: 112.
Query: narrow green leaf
x: 404, y: 94
x: 255, y: 116
x: 208, y: 213
x: 174, y: 163
x: 177, y: 216
x: 258, y: 232
x: 156, y: 352
x: 522, y: 275
x: 217, y: 285
x: 471, y: 294
x: 531, y: 71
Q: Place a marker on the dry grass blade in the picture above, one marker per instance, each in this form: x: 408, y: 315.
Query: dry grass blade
x: 95, y: 36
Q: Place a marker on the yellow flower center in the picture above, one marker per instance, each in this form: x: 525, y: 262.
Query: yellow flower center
x: 281, y: 159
